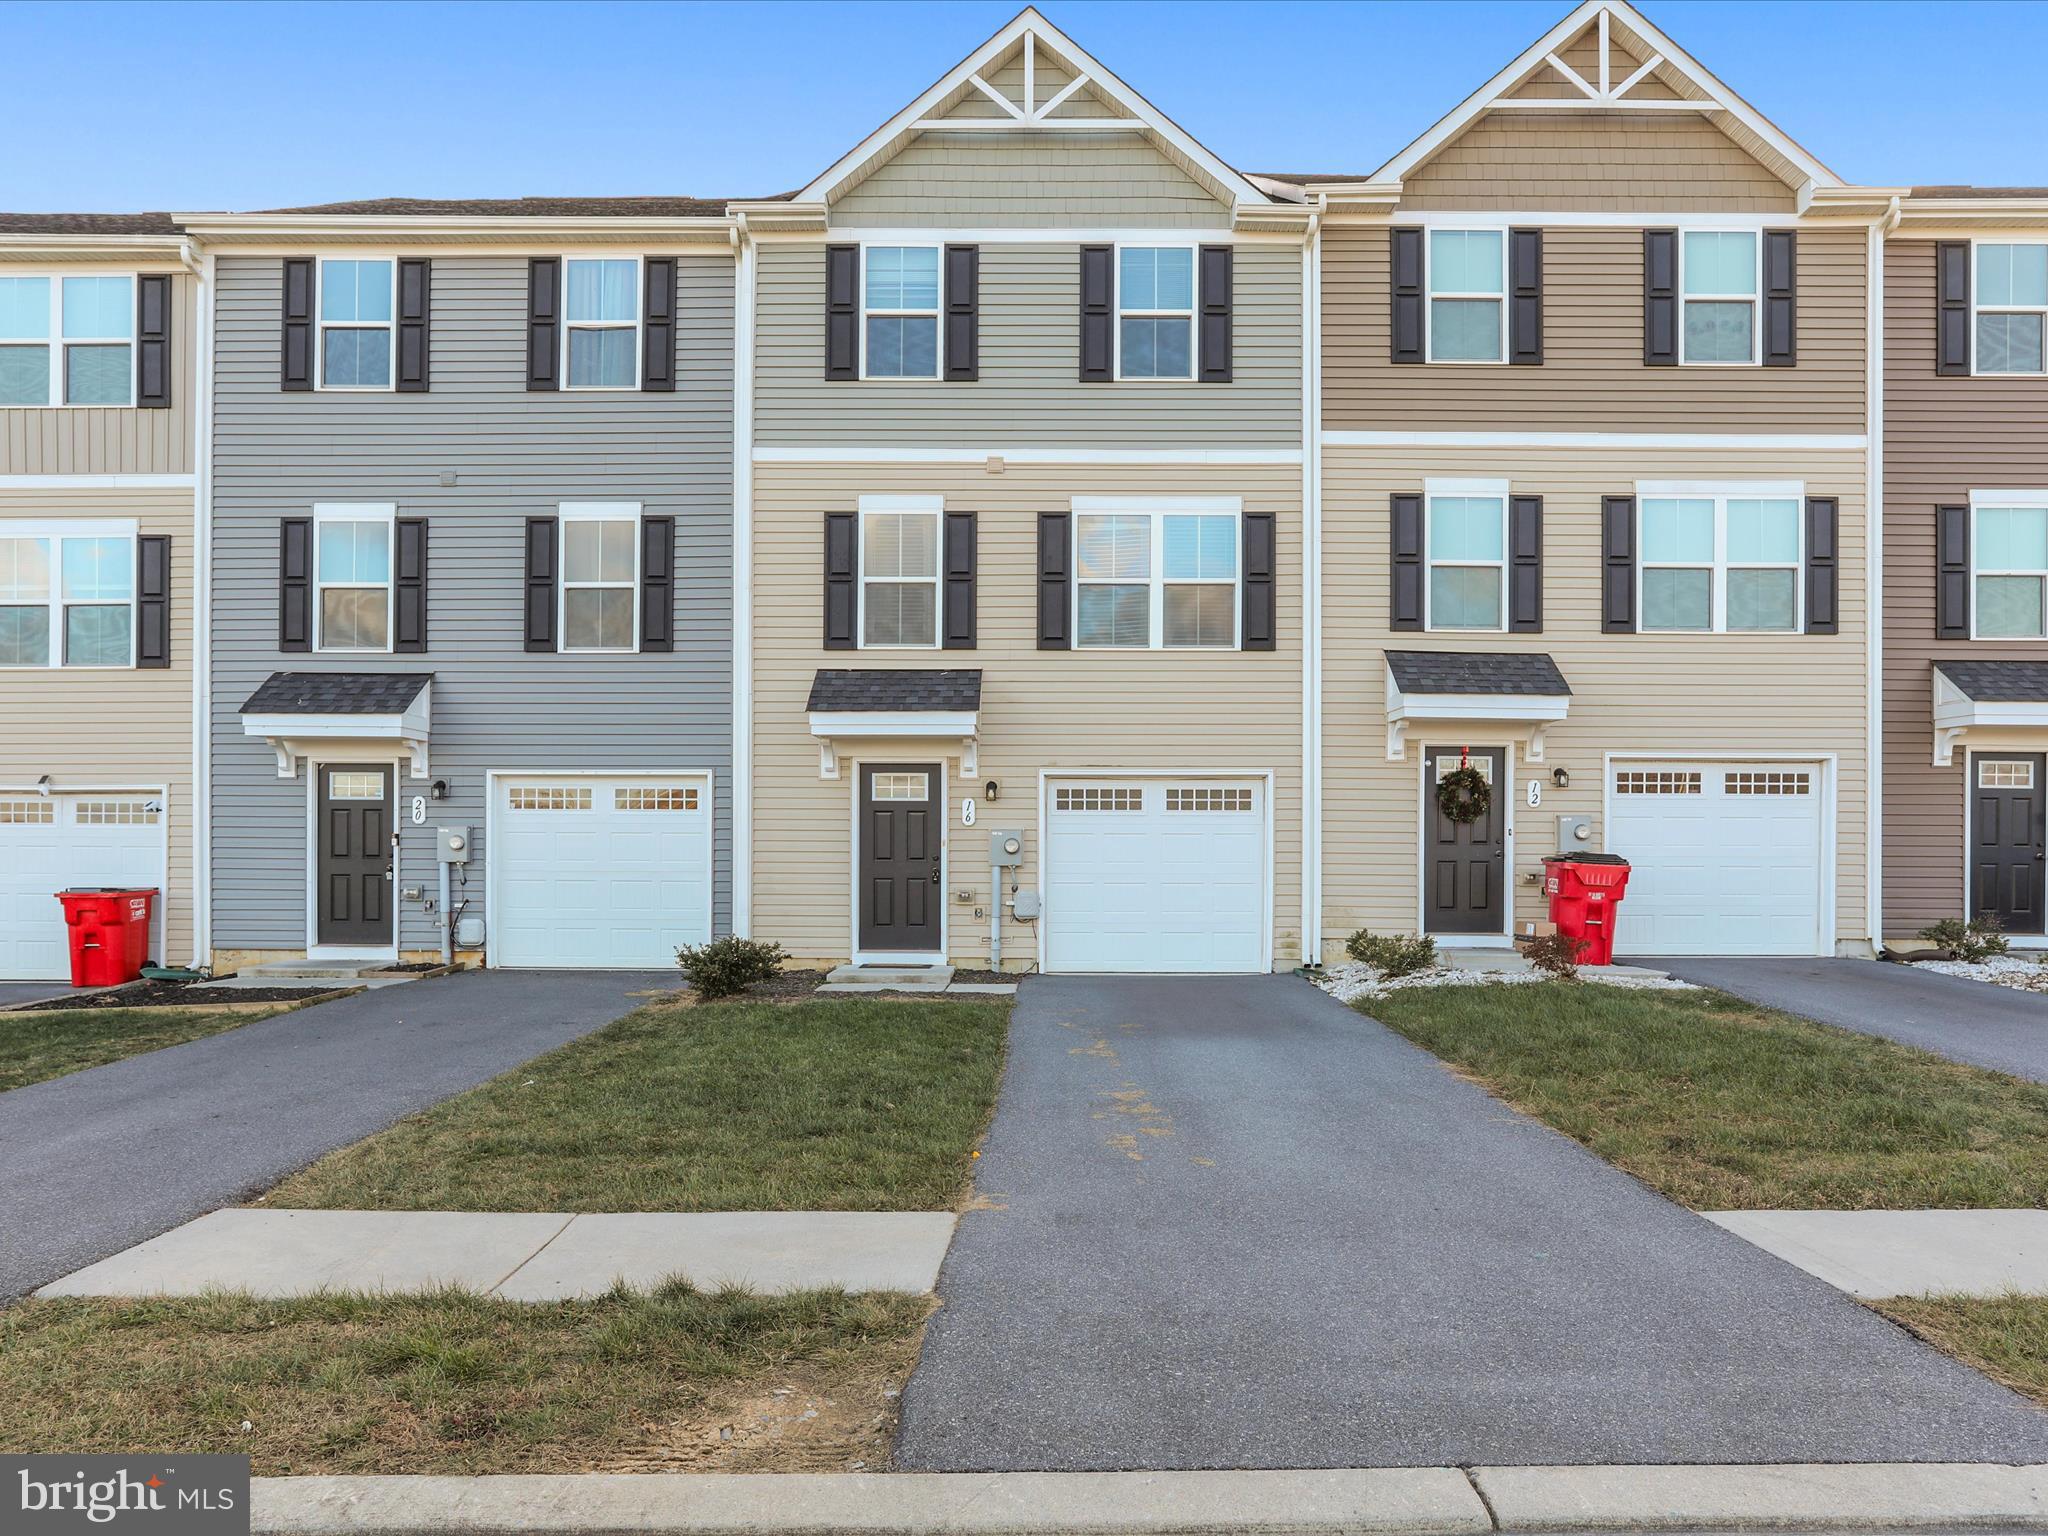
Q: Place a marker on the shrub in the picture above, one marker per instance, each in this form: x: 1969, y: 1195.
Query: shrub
x: 1978, y: 939
x: 727, y: 967
x: 1555, y: 954
x: 1392, y: 954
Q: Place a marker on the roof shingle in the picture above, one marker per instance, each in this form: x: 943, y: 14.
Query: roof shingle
x: 521, y: 207
x: 88, y: 224
x: 1525, y: 672
x: 2004, y: 682
x: 336, y: 693
x: 896, y: 688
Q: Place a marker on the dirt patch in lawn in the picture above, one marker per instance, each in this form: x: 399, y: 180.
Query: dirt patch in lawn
x: 177, y: 994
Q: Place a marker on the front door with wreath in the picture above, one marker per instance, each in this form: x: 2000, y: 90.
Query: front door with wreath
x: 1464, y: 840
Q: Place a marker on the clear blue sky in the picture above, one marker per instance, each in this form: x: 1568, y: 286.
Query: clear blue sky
x: 192, y: 106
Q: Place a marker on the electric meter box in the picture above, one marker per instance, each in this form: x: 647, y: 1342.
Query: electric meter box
x: 1006, y: 849
x: 451, y: 845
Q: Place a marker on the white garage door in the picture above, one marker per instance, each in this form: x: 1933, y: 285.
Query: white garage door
x: 602, y: 873
x: 49, y: 842
x: 1156, y: 875
x: 1727, y: 857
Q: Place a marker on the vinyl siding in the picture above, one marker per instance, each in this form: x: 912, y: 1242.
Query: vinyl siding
x: 1593, y: 377
x: 123, y: 728
x: 512, y: 455
x: 1647, y: 694
x: 982, y: 180
x: 1040, y: 710
x: 1944, y: 437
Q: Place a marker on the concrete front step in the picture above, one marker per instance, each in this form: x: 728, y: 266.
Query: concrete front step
x: 309, y: 970
x: 897, y: 978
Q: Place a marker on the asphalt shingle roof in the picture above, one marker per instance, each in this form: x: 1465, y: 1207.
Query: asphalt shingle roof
x: 896, y: 688
x: 2011, y: 682
x: 529, y: 207
x: 88, y: 224
x: 336, y: 693
x: 1525, y: 672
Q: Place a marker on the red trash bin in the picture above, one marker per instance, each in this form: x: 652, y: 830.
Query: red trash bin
x: 1584, y: 890
x: 109, y: 929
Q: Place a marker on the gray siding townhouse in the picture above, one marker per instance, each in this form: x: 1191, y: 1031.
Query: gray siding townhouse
x: 472, y: 546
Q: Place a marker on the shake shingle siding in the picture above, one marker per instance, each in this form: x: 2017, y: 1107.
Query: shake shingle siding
x: 512, y: 455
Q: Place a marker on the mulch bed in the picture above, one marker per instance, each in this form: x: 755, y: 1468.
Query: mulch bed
x: 174, y: 994
x: 988, y: 978
x: 408, y: 967
x: 788, y: 984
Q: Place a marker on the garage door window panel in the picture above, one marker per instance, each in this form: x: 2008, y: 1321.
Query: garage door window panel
x: 352, y: 558
x: 899, y: 592
x: 67, y: 597
x: 1156, y: 580
x: 2011, y: 581
x: 1721, y: 563
x: 600, y: 579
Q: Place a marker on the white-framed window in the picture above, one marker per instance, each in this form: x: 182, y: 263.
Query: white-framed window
x: 601, y: 322
x: 1719, y: 559
x: 67, y: 594
x: 548, y: 797
x: 900, y: 786
x: 2004, y: 773
x: 67, y: 339
x: 899, y: 572
x: 673, y: 798
x: 1720, y: 274
x: 358, y: 341
x: 1465, y: 552
x: 1155, y: 311
x: 354, y: 786
x: 352, y: 575
x: 1156, y: 574
x: 900, y: 287
x: 2009, y: 306
x: 600, y: 576
x: 1466, y: 275
x: 2009, y: 565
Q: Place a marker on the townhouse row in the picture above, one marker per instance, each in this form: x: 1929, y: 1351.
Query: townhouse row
x: 1037, y: 542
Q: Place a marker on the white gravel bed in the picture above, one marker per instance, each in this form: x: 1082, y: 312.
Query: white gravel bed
x: 1999, y: 970
x: 1351, y: 981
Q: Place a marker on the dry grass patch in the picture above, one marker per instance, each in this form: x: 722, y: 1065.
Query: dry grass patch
x: 36, y: 1046
x: 2005, y: 1337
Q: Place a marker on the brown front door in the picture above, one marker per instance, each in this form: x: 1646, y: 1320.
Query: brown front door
x: 355, y: 855
x: 2008, y: 838
x: 1464, y: 864
x: 900, y: 819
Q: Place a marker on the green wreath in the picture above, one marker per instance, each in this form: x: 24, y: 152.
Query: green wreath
x: 1463, y: 795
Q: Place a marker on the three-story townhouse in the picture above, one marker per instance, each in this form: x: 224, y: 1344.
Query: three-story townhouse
x: 99, y: 332
x: 472, y: 595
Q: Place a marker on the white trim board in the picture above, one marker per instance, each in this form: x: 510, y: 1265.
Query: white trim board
x: 95, y: 482
x: 836, y: 453
x: 1821, y: 442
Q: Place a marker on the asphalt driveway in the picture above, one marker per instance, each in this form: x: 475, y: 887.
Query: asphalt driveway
x: 109, y: 1157
x: 1964, y: 1020
x: 1231, y: 1223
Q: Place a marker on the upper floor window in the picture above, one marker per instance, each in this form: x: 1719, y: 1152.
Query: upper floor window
x: 2010, y: 302
x: 900, y: 300
x: 1467, y: 295
x: 352, y: 571
x: 356, y: 334
x: 67, y: 595
x: 600, y: 576
x: 899, y: 572
x: 1465, y: 540
x: 67, y: 340
x: 1165, y: 578
x: 2010, y: 579
x: 1716, y: 562
x: 601, y: 323
x: 1155, y: 304
x: 1718, y: 280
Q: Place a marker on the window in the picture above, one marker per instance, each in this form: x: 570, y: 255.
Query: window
x: 1155, y: 579
x: 2004, y: 773
x: 2010, y: 552
x: 1155, y: 304
x: 900, y: 786
x: 900, y: 289
x: 67, y: 595
x: 1754, y: 783
x: 601, y: 323
x: 1208, y: 799
x: 1465, y: 542
x: 1093, y: 799
x: 67, y: 340
x: 548, y: 798
x: 1718, y: 277
x: 39, y: 812
x: 1468, y: 275
x: 355, y: 786
x: 1446, y: 766
x: 681, y: 799
x: 1714, y: 561
x: 356, y: 334
x: 352, y: 571
x: 118, y: 813
x: 600, y: 576
x: 899, y: 572
x: 1652, y: 782
x: 2010, y: 299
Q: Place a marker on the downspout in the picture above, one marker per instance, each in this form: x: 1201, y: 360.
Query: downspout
x: 1873, y: 461
x: 202, y: 627
x: 745, y: 254
x: 1312, y: 590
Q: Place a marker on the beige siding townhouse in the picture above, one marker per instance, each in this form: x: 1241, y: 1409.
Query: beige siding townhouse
x: 1024, y: 434
x: 99, y: 329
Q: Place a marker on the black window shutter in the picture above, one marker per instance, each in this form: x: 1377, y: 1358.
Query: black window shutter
x: 1525, y: 297
x: 657, y: 584
x: 409, y: 587
x: 1098, y: 322
x: 153, y: 600
x: 963, y: 313
x: 295, y: 584
x: 958, y: 598
x: 1618, y: 564
x: 658, y: 326
x: 1404, y: 594
x: 153, y: 341
x: 842, y: 576
x: 1525, y: 565
x: 544, y: 346
x: 540, y: 582
x: 1660, y: 299
x: 842, y: 311
x: 415, y: 309
x: 1215, y: 314
x: 1405, y: 259
x: 1952, y: 573
x: 297, y: 352
x: 1055, y: 594
x: 1781, y: 298
x: 1823, y: 584
x: 1261, y: 592
x: 1952, y: 299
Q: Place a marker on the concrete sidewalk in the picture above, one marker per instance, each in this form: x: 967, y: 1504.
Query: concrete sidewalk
x: 524, y: 1256
x: 1906, y: 1253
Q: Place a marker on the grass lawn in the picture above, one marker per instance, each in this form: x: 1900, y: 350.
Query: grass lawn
x: 37, y: 1046
x: 454, y: 1383
x: 1725, y: 1106
x: 839, y: 1104
x: 2006, y: 1337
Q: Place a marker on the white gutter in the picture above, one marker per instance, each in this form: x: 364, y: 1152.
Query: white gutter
x: 746, y: 254
x: 1312, y: 589
x: 202, y: 628
x: 1873, y: 580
